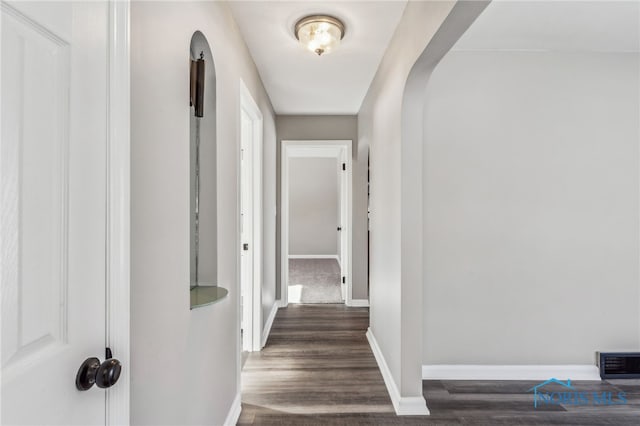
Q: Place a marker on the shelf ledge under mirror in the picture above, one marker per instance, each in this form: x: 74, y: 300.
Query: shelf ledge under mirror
x: 206, y: 295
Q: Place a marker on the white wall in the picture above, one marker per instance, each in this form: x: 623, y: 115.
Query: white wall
x: 396, y: 329
x: 313, y: 206
x: 531, y: 208
x: 184, y: 364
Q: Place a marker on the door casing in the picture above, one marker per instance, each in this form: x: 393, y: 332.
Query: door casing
x: 252, y: 307
x: 118, y: 209
x: 339, y: 149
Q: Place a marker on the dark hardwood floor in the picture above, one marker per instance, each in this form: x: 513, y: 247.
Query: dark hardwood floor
x: 317, y: 368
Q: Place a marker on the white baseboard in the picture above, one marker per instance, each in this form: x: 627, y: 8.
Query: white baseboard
x: 269, y: 323
x: 314, y: 256
x: 509, y: 372
x: 407, y: 406
x: 234, y: 411
x: 363, y: 303
x: 281, y: 303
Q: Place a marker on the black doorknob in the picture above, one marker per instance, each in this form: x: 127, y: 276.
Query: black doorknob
x: 92, y: 372
x: 108, y: 373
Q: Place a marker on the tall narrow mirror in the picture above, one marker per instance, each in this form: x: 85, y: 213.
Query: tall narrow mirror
x: 203, y: 195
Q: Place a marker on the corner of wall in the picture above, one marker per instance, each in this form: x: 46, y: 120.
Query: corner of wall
x: 404, y: 406
x: 269, y: 323
x: 234, y: 411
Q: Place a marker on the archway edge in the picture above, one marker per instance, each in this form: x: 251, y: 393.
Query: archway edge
x: 461, y: 17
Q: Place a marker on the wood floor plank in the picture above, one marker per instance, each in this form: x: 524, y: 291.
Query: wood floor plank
x: 317, y: 369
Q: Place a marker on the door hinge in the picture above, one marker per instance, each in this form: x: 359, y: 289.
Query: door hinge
x: 344, y: 166
x: 245, y: 246
x: 344, y: 280
x: 339, y: 228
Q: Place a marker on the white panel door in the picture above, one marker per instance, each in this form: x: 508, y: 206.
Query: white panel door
x: 53, y: 171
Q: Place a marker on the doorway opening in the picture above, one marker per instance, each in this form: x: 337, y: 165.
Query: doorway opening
x: 250, y: 221
x: 316, y: 222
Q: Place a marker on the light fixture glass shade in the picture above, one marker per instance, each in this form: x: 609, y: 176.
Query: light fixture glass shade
x: 319, y: 33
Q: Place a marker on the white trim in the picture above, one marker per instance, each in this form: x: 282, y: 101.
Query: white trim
x: 118, y: 210
x: 509, y: 372
x: 282, y: 303
x: 360, y: 303
x: 314, y: 148
x: 314, y: 256
x: 234, y: 411
x: 267, y: 326
x: 284, y: 224
x: 345, y: 184
x: 404, y: 406
x: 249, y: 106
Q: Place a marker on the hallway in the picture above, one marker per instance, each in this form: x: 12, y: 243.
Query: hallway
x: 359, y: 212
x: 317, y: 368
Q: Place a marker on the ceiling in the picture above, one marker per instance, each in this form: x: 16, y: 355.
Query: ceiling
x: 301, y: 83
x: 563, y: 26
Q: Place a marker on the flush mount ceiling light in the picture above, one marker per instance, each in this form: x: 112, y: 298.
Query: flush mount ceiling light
x: 319, y: 33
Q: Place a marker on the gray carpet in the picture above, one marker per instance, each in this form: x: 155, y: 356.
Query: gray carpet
x: 314, y: 281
